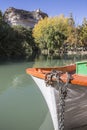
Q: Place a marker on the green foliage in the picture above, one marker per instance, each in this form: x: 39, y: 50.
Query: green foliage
x: 50, y: 33
x: 15, y: 41
x: 83, y: 34
x: 53, y: 38
x: 84, y: 22
x: 1, y: 17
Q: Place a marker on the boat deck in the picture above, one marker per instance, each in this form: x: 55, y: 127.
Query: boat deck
x: 75, y: 108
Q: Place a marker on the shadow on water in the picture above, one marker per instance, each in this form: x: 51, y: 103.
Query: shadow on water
x: 4, y: 59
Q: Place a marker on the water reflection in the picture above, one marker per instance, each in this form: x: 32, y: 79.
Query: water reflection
x: 50, y: 61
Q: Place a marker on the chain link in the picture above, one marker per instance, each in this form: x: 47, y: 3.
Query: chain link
x: 50, y: 78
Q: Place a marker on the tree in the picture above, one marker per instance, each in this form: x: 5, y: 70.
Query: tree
x: 71, y: 20
x: 50, y: 33
x: 84, y: 22
x: 73, y: 33
x: 15, y: 41
x: 83, y: 34
x: 1, y: 17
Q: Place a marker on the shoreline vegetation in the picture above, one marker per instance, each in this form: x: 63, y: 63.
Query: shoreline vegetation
x: 50, y: 36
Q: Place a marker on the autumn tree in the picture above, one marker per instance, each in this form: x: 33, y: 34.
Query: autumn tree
x: 71, y: 20
x: 84, y: 22
x: 83, y: 34
x: 51, y: 32
x: 72, y: 38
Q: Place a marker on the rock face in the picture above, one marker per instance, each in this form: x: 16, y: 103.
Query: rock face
x: 21, y: 17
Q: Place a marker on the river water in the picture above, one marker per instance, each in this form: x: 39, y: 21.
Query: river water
x: 22, y: 106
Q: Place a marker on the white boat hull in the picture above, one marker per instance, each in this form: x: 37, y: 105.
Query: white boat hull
x: 49, y: 96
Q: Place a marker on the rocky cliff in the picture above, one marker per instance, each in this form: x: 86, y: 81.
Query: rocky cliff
x: 22, y: 17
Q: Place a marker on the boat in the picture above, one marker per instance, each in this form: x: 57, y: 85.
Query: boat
x: 77, y: 79
x: 76, y: 76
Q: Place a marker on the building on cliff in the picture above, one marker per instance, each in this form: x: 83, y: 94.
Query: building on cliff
x: 22, y: 17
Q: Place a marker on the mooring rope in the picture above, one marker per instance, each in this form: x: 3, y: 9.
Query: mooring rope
x: 50, y: 79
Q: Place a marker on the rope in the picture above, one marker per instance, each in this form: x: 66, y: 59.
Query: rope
x: 62, y: 92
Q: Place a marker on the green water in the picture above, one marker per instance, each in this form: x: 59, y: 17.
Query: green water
x: 22, y: 106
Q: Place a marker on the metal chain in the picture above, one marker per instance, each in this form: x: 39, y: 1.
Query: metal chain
x: 62, y: 95
x: 62, y: 92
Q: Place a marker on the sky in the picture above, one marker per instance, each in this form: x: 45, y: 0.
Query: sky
x: 52, y: 7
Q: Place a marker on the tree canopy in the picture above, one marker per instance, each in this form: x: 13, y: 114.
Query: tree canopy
x: 56, y: 31
x: 51, y: 32
x: 15, y: 41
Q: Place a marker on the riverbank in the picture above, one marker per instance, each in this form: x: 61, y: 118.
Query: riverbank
x: 78, y: 52
x: 63, y: 52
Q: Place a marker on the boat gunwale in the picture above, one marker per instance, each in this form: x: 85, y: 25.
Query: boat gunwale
x: 77, y: 79
x: 40, y: 72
